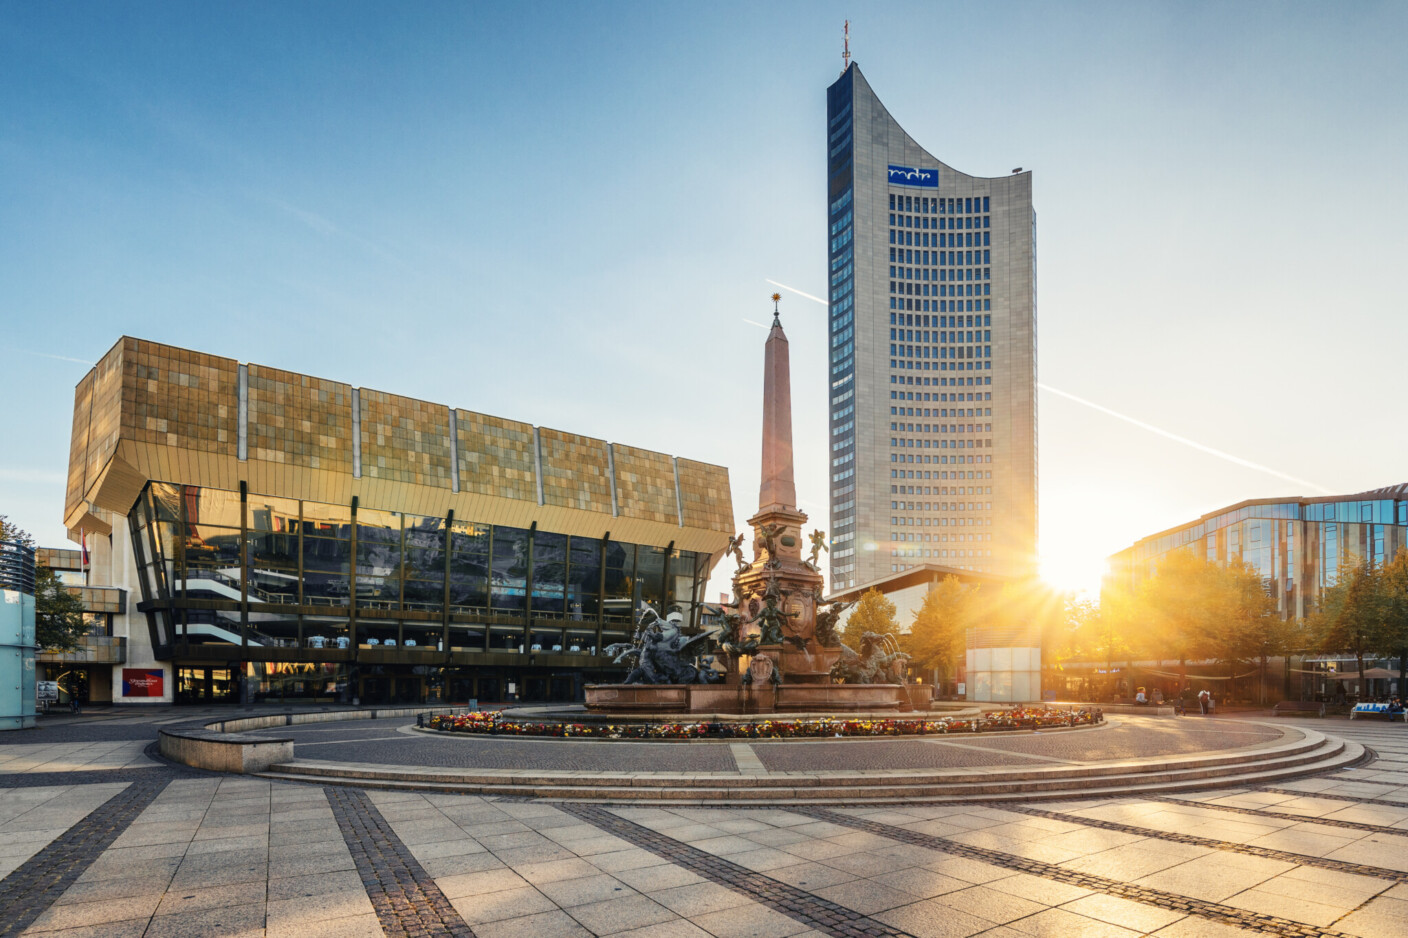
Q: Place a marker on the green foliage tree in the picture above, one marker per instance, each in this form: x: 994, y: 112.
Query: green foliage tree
x: 936, y: 638
x: 1351, y: 613
x: 58, y: 614
x: 1395, y: 613
x: 874, y: 613
x: 1175, y: 613
x: 1250, y: 630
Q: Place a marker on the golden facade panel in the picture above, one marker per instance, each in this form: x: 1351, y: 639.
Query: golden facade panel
x: 405, y: 440
x: 645, y: 485
x: 496, y: 456
x: 78, y: 444
x: 575, y: 472
x: 150, y: 412
x: 105, y: 422
x: 707, y: 501
x: 180, y: 398
x: 298, y: 420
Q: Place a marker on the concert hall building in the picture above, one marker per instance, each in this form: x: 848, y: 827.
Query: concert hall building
x: 280, y: 537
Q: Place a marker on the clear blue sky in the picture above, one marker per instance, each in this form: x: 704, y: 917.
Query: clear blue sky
x: 564, y: 213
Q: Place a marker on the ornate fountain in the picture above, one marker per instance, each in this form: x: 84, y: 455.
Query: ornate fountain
x: 780, y: 650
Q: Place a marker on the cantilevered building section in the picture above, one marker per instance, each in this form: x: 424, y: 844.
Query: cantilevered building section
x: 932, y: 354
x: 323, y: 541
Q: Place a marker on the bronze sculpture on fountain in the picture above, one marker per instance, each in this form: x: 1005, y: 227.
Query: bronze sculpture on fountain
x: 780, y: 649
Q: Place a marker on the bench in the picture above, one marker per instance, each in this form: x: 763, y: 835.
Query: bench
x: 1376, y: 710
x: 1298, y: 706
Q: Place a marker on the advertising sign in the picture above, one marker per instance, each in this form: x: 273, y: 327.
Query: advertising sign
x: 909, y: 176
x: 46, y: 691
x: 140, y: 682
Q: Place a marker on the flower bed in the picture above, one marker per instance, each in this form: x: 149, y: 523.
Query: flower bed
x: 1021, y: 718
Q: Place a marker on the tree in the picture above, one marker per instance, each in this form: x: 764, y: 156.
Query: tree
x: 1394, y: 625
x: 1251, y: 629
x: 936, y: 639
x: 58, y: 614
x: 1174, y: 614
x: 1351, y: 613
x: 874, y: 613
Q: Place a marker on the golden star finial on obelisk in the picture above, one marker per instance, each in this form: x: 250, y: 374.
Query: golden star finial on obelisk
x: 776, y: 318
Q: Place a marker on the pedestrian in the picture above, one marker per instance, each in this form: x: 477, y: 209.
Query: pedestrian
x: 1203, y: 698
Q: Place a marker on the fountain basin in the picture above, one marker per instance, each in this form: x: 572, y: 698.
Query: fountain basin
x: 757, y: 698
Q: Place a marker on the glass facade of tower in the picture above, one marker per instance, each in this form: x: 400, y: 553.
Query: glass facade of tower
x: 932, y: 354
x: 1298, y: 546
x: 840, y: 171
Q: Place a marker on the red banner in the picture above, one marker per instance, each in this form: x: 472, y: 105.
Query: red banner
x: 139, y: 682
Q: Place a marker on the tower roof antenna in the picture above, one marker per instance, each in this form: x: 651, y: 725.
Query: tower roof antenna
x: 846, y: 49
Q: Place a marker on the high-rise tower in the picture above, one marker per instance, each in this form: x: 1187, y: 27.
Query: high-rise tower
x: 932, y: 353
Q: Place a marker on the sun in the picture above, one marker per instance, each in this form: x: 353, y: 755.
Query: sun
x: 1069, y: 568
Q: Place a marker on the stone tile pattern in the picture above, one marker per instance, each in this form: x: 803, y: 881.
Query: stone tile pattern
x: 298, y: 420
x: 406, y: 899
x: 1388, y: 802
x: 176, y: 397
x: 1212, y: 911
x: 29, y: 891
x: 645, y: 484
x: 1284, y: 816
x: 575, y: 473
x: 705, y: 497
x: 496, y: 456
x: 1193, y: 840
x: 405, y: 440
x: 819, y: 914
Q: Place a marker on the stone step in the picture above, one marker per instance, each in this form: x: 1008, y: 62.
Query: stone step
x: 1149, y: 777
x: 1310, y: 742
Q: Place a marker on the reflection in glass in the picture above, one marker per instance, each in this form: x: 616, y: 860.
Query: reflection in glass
x: 549, y: 571
x: 510, y: 568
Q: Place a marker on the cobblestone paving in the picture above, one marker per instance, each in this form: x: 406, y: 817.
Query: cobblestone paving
x: 931, y: 753
x: 28, y: 891
x: 824, y: 916
x: 382, y: 743
x: 405, y: 897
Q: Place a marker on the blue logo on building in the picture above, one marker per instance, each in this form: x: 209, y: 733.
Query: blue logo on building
x: 909, y: 176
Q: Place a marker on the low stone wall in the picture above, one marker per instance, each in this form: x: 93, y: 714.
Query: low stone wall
x: 226, y: 746
x: 224, y: 752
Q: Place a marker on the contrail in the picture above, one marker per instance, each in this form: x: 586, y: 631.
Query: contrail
x: 60, y: 358
x: 1185, y: 441
x: 784, y: 286
x: 753, y: 322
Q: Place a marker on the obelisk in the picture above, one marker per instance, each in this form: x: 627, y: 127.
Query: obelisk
x: 778, y: 529
x: 779, y: 489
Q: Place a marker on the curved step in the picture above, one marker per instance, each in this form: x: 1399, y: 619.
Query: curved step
x: 1238, y: 769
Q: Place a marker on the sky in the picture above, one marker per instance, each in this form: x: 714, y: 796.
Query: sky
x: 568, y: 213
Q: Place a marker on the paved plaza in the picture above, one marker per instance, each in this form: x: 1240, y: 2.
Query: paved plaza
x: 97, y: 838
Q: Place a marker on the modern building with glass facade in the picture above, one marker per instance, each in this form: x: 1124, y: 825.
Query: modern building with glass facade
x: 932, y: 354
x: 1298, y: 545
x: 290, y: 538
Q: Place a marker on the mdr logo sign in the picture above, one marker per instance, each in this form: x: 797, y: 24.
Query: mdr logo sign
x: 909, y: 176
